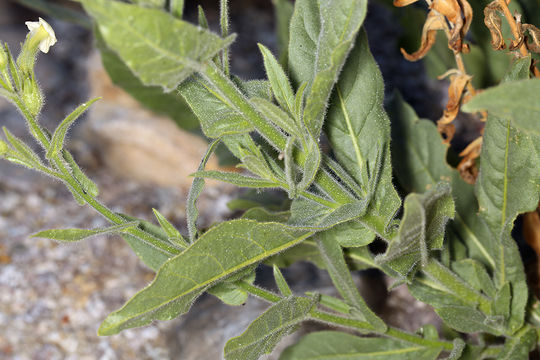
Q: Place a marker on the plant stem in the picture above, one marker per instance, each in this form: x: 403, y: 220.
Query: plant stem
x: 224, y: 21
x: 361, y: 326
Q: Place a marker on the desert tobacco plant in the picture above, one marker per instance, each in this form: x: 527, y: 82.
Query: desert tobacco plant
x: 452, y: 244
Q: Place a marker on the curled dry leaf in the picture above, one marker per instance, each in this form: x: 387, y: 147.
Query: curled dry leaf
x: 447, y: 131
x: 458, y: 82
x: 435, y: 21
x: 516, y: 43
x: 459, y: 15
x: 534, y: 37
x: 467, y: 166
x: 494, y: 24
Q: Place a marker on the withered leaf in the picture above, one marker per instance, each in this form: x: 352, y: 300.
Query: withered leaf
x: 435, y: 21
x: 401, y: 3
x: 467, y: 166
x: 494, y: 23
x: 458, y: 82
x: 534, y: 36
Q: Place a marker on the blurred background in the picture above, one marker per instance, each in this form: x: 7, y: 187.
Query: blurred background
x: 53, y: 296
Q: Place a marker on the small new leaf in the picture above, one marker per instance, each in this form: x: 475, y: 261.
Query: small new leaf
x: 174, y: 235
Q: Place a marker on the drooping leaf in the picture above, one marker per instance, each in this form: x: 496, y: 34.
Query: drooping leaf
x: 219, y: 253
x: 59, y: 135
x: 192, y: 213
x: 158, y: 48
x: 322, y: 35
x: 359, y: 132
x: 421, y: 229
x: 170, y: 104
x: 264, y: 333
x: 73, y: 235
x: 332, y: 254
x: 329, y: 345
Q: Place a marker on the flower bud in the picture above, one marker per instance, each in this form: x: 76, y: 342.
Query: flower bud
x: 31, y: 96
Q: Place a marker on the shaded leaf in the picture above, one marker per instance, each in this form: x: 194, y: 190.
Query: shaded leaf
x: 264, y: 333
x: 170, y: 104
x: 140, y: 37
x: 219, y: 253
x: 281, y: 283
x: 329, y: 345
x: 421, y: 229
x: 73, y: 235
x: 519, y: 346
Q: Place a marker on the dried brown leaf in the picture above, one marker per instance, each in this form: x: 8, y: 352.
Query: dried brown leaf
x: 534, y: 36
x: 516, y: 43
x: 434, y: 22
x: 467, y: 166
x: 401, y: 3
x: 447, y: 131
x: 456, y: 89
x: 494, y: 24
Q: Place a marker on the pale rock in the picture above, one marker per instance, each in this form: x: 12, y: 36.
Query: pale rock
x: 136, y: 143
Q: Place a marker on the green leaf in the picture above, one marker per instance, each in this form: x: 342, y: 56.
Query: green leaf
x: 229, y: 294
x: 65, y: 13
x: 263, y: 215
x: 173, y: 234
x: 281, y: 283
x: 158, y: 48
x: 359, y: 132
x: 197, y: 186
x: 283, y: 12
x: 330, y: 345
x: 509, y: 168
x: 322, y: 35
x: 332, y: 254
x: 515, y: 100
x: 217, y: 115
x: 467, y: 320
x: 20, y: 152
x: 264, y: 333
x: 149, y: 255
x: 457, y: 350
x: 59, y: 135
x: 154, y: 98
x: 306, y: 251
x: 421, y: 229
x: 73, y: 235
x: 159, y: 4
x: 475, y: 274
x: 277, y: 116
x: 88, y: 185
x: 519, y: 70
x: 219, y: 253
x: 235, y: 179
x: 177, y: 8
x: 281, y: 87
x: 350, y: 234
x: 520, y: 345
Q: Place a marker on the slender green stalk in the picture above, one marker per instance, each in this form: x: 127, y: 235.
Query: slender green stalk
x: 361, y: 326
x: 224, y: 22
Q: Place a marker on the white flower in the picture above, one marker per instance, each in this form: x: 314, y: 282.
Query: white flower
x: 43, y: 32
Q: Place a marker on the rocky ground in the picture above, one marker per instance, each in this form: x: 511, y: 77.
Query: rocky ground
x: 53, y: 296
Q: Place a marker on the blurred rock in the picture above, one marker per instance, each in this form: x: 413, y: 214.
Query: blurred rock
x: 135, y: 143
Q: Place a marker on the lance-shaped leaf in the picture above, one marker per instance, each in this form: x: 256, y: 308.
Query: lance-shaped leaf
x: 264, y: 333
x: 172, y: 233
x: 158, y: 48
x: 359, y: 132
x: 421, y: 229
x: 281, y: 283
x: 281, y: 87
x: 19, y: 152
x: 514, y: 100
x: 322, y: 35
x: 332, y: 254
x: 59, y: 135
x: 88, y: 185
x: 219, y: 253
x: 73, y: 235
x: 327, y: 345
